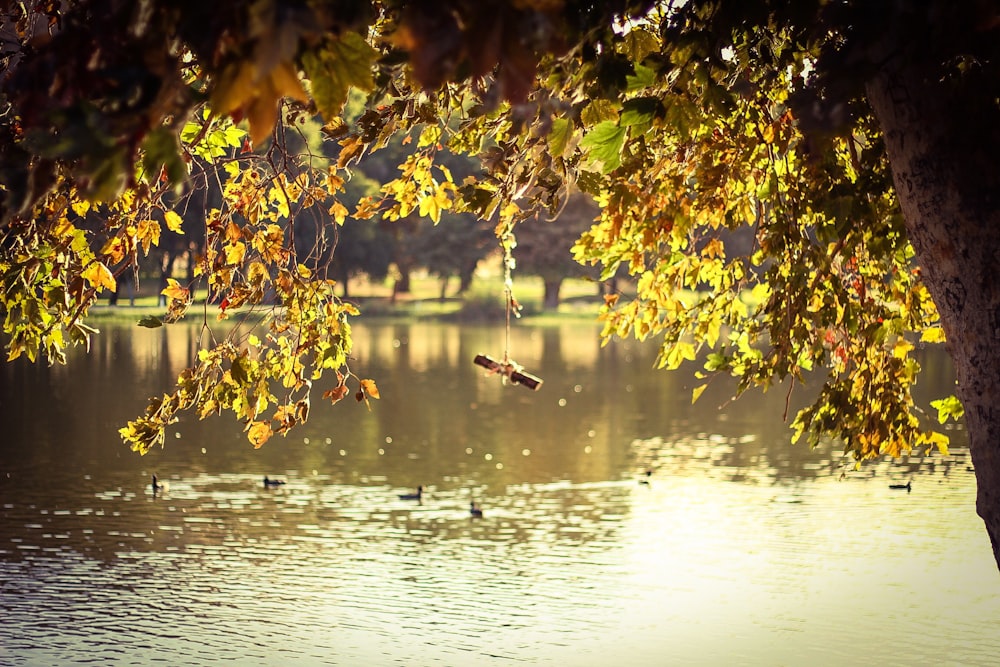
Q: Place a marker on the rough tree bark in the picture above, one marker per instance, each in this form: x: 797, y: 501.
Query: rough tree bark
x: 942, y: 139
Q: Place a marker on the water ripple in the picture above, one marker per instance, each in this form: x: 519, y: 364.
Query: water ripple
x: 219, y: 569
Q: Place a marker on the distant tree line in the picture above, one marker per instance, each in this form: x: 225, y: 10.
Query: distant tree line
x: 375, y: 249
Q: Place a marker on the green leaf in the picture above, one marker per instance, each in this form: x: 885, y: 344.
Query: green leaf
x: 638, y: 113
x: 559, y: 136
x: 150, y: 322
x: 644, y: 77
x: 161, y: 151
x: 716, y: 361
x: 233, y: 136
x: 605, y: 142
x: 344, y: 63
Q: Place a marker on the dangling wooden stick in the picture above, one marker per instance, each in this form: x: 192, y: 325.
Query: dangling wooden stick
x: 508, y: 368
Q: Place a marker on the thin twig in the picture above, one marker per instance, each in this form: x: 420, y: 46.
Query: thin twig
x: 788, y: 400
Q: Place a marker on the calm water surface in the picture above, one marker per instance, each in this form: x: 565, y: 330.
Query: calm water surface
x: 742, y: 549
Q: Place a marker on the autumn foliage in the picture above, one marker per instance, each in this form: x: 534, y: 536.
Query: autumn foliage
x: 691, y: 125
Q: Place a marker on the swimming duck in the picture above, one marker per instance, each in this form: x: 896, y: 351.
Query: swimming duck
x: 649, y: 472
x: 413, y: 496
x: 273, y: 482
x: 901, y: 486
x: 157, y: 487
x: 474, y: 509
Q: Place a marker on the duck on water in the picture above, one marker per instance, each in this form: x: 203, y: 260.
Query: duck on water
x: 413, y: 496
x: 158, y: 487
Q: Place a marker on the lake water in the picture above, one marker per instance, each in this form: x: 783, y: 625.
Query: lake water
x: 741, y: 550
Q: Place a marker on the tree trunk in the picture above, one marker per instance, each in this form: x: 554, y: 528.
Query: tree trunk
x: 942, y: 141
x: 551, y: 299
x: 465, y: 277
x: 189, y: 255
x: 606, y: 287
x: 402, y: 283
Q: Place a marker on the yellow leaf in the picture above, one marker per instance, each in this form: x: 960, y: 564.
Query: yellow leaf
x: 939, y: 440
x: 114, y: 250
x: 99, y: 276
x: 697, y: 392
x: 235, y: 86
x: 597, y: 111
x: 270, y: 244
x: 258, y: 433
x: 235, y: 252
x: 233, y: 232
x: 901, y: 348
x: 932, y: 335
x: 713, y: 330
x: 339, y: 212
x: 334, y: 182
x: 64, y: 228
x: 366, y: 209
x: 510, y: 211
x: 677, y: 354
x: 174, y: 291
x: 147, y: 232
x: 256, y: 273
x: 286, y: 82
x: 80, y: 207
x: 430, y: 136
x: 276, y: 196
x: 430, y: 207
x: 210, y: 406
x: 368, y: 386
x: 262, y: 113
x: 351, y: 147
x: 760, y: 293
x: 714, y: 248
x: 173, y: 221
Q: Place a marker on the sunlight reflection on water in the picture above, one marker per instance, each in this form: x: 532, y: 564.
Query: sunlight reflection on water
x: 740, y: 550
x: 688, y: 569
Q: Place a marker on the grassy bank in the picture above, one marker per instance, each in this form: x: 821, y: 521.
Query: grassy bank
x: 579, y: 299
